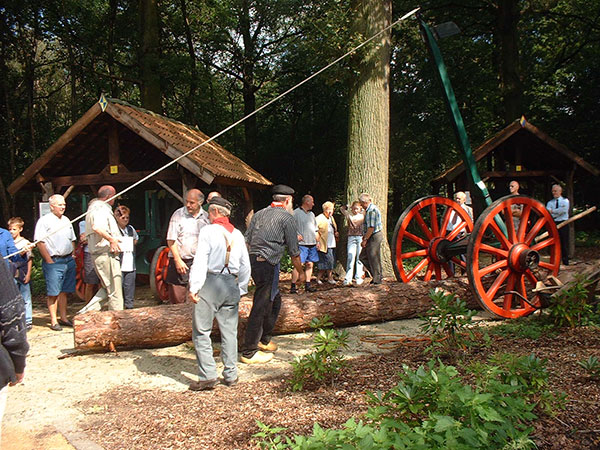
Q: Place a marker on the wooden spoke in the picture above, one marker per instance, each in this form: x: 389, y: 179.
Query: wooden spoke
x: 490, y: 251
x: 413, y: 229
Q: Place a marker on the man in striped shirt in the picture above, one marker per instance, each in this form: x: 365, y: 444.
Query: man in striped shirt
x: 372, y: 238
x: 271, y: 230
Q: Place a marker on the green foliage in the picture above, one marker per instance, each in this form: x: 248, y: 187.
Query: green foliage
x: 591, y: 366
x: 286, y: 265
x: 326, y: 359
x: 587, y: 238
x: 531, y: 327
x: 38, y: 282
x: 570, y: 308
x: 430, y: 408
x: 527, y: 373
x: 448, y: 323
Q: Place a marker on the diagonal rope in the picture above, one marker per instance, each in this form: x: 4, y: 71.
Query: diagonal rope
x: 233, y: 125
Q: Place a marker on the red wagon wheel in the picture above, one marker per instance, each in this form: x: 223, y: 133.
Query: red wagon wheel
x: 500, y: 265
x: 421, y: 235
x: 158, y: 273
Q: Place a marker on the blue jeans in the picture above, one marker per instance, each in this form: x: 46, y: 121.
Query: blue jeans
x: 220, y: 299
x: 353, y: 249
x: 25, y: 290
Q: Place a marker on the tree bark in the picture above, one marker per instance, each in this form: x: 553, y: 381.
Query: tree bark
x: 369, y: 114
x: 511, y: 86
x: 151, y: 96
x: 190, y: 112
x: 172, y: 324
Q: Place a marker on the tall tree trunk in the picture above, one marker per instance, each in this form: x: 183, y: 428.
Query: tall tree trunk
x: 112, y: 19
x: 369, y: 114
x: 151, y: 96
x: 511, y: 87
x: 248, y: 88
x: 190, y: 112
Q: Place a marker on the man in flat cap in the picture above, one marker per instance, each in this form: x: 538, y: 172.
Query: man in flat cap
x: 271, y: 230
x: 218, y: 277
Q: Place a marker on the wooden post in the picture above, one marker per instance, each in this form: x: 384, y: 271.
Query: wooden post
x: 571, y: 197
x: 113, y: 144
x: 248, y: 206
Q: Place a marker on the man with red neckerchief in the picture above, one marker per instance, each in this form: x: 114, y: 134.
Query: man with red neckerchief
x: 219, y: 275
x: 270, y: 231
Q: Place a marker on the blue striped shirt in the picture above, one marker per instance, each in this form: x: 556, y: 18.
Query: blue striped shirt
x: 372, y: 219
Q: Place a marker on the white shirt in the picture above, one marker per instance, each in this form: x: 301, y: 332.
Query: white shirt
x: 331, y: 234
x: 211, y: 253
x: 455, y: 219
x: 560, y: 213
x: 184, y: 229
x: 127, y: 260
x: 58, y: 243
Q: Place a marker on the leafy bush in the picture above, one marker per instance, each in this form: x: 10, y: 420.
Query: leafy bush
x: 528, y: 373
x: 286, y: 263
x: 326, y: 359
x: 430, y: 408
x: 38, y: 282
x: 571, y: 307
x: 532, y: 327
x: 591, y: 366
x: 448, y: 323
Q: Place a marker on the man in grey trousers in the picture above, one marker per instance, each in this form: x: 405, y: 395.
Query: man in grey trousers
x: 218, y: 277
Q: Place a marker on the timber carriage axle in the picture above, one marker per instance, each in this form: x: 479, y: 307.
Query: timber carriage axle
x: 504, y: 257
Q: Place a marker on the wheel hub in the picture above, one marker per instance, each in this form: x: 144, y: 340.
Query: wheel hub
x: 521, y: 258
x: 437, y: 250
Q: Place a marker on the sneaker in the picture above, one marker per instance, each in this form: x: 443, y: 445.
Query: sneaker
x: 310, y: 288
x: 270, y: 347
x: 319, y: 281
x: 258, y: 358
x: 231, y: 382
x: 203, y: 385
x: 332, y: 281
x: 293, y: 289
x: 359, y: 281
x: 29, y: 327
x: 56, y: 327
x: 347, y: 283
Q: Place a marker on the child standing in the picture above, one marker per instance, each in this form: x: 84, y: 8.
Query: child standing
x: 128, y: 255
x: 23, y: 269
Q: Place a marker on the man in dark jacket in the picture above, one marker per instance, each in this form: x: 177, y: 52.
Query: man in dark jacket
x: 13, y: 335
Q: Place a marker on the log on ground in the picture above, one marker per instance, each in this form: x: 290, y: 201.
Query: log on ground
x: 164, y: 325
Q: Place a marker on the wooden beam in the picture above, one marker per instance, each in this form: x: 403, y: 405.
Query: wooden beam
x: 525, y: 174
x: 159, y: 143
x: 113, y: 144
x: 68, y: 191
x: 66, y: 137
x: 171, y: 191
x: 106, y: 178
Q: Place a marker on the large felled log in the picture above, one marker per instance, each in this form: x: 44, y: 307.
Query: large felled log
x: 172, y: 324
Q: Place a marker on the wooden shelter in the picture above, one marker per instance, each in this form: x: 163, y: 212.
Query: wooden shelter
x: 119, y: 144
x: 519, y: 152
x: 524, y: 153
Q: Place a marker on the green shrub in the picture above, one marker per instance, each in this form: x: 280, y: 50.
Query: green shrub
x: 326, y: 359
x: 38, y: 282
x: 448, y: 322
x: 591, y: 366
x: 430, y: 408
x: 532, y: 327
x: 570, y: 307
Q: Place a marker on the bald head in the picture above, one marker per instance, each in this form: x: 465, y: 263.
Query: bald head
x: 513, y: 187
x: 193, y: 201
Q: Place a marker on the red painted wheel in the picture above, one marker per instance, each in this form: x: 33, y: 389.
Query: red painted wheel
x: 79, y: 283
x: 500, y: 264
x: 421, y: 235
x: 158, y: 273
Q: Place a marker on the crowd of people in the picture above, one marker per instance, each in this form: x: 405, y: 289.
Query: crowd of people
x: 210, y: 263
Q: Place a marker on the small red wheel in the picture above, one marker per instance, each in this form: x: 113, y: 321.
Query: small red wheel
x: 79, y: 269
x: 158, y: 273
x: 501, y: 264
x: 420, y: 235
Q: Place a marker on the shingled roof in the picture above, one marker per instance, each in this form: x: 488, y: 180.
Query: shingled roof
x: 146, y: 142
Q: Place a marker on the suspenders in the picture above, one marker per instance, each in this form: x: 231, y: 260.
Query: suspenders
x: 228, y: 244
